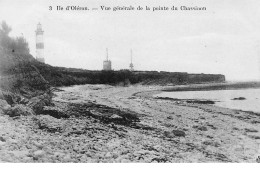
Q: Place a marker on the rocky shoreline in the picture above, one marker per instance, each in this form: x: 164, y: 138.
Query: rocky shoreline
x: 101, y: 123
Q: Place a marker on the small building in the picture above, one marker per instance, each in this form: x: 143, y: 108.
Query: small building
x: 107, y: 65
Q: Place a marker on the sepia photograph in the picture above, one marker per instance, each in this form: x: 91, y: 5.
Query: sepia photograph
x: 129, y: 81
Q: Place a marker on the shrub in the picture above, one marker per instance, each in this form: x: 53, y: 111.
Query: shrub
x: 17, y: 45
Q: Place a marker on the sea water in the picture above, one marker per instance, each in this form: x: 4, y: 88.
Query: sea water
x: 222, y: 98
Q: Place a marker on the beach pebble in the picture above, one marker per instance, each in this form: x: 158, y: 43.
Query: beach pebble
x: 13, y: 141
x: 2, y: 143
x: 4, y: 106
x: 108, y: 155
x: 58, y: 154
x: 21, y: 154
x: 67, y: 158
x: 115, y: 116
x: 125, y: 161
x: 38, y: 153
x: 170, y: 117
x: 2, y: 139
x: 26, y: 159
x: 37, y: 144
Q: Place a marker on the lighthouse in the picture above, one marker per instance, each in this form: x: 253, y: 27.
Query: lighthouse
x: 39, y: 44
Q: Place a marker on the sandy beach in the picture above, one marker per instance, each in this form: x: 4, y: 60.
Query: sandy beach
x: 159, y: 130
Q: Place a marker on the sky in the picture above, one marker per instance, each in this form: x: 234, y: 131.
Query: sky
x: 224, y: 39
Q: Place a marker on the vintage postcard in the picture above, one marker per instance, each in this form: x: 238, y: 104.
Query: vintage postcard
x: 129, y: 81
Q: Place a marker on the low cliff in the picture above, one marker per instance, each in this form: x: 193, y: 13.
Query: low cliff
x: 177, y: 78
x: 21, y: 84
x: 58, y: 76
x: 19, y: 74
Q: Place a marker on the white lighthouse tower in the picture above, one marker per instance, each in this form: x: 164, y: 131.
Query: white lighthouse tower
x: 39, y: 43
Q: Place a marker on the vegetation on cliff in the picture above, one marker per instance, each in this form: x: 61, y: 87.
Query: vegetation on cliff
x: 16, y: 45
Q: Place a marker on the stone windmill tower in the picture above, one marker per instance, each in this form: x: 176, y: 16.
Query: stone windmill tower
x: 39, y: 43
